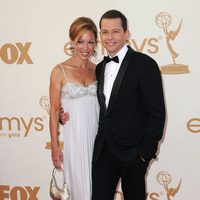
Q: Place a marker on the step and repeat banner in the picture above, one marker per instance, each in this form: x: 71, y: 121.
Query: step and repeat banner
x: 34, y: 38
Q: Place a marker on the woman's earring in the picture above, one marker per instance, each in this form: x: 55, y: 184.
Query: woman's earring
x: 94, y: 53
x: 72, y: 49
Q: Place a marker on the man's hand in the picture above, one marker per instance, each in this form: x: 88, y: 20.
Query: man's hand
x: 63, y: 117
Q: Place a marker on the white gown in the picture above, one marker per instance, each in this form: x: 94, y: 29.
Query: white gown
x: 79, y: 134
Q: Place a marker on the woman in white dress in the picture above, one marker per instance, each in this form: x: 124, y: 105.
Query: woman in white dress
x: 73, y: 87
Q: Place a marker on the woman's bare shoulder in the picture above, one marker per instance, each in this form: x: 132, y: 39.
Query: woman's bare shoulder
x: 56, y: 70
x: 65, y: 65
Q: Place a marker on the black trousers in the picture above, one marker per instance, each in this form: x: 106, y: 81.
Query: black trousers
x: 107, y: 171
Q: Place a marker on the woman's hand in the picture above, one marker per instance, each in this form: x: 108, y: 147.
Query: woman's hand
x: 57, y: 156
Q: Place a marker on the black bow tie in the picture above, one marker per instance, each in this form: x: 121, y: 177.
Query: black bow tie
x: 107, y: 59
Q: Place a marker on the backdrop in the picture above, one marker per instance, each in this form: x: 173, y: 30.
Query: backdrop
x: 34, y: 38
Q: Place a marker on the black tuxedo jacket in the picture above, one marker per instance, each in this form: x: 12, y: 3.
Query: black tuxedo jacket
x: 133, y: 123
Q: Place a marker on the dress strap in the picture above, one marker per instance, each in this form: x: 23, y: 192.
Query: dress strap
x: 63, y: 72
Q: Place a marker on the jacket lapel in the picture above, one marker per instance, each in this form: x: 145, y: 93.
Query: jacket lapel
x: 118, y: 80
x: 101, y: 87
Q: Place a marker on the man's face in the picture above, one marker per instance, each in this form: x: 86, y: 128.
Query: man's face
x: 112, y: 35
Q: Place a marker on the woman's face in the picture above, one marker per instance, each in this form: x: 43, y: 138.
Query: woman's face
x: 84, y: 45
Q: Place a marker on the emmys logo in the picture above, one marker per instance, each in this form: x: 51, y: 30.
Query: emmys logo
x: 163, y: 20
x: 164, y: 178
x: 45, y: 105
x: 148, y: 44
x: 193, y: 125
x: 15, y: 53
x: 13, y: 126
x: 13, y: 193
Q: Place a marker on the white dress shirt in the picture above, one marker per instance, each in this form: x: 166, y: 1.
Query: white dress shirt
x: 111, y: 70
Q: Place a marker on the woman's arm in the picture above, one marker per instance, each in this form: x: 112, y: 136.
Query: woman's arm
x: 54, y: 94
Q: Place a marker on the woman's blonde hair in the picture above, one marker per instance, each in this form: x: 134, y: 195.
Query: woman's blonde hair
x: 80, y: 25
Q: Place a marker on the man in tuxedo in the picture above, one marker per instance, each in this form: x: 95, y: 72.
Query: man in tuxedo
x: 132, y: 114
